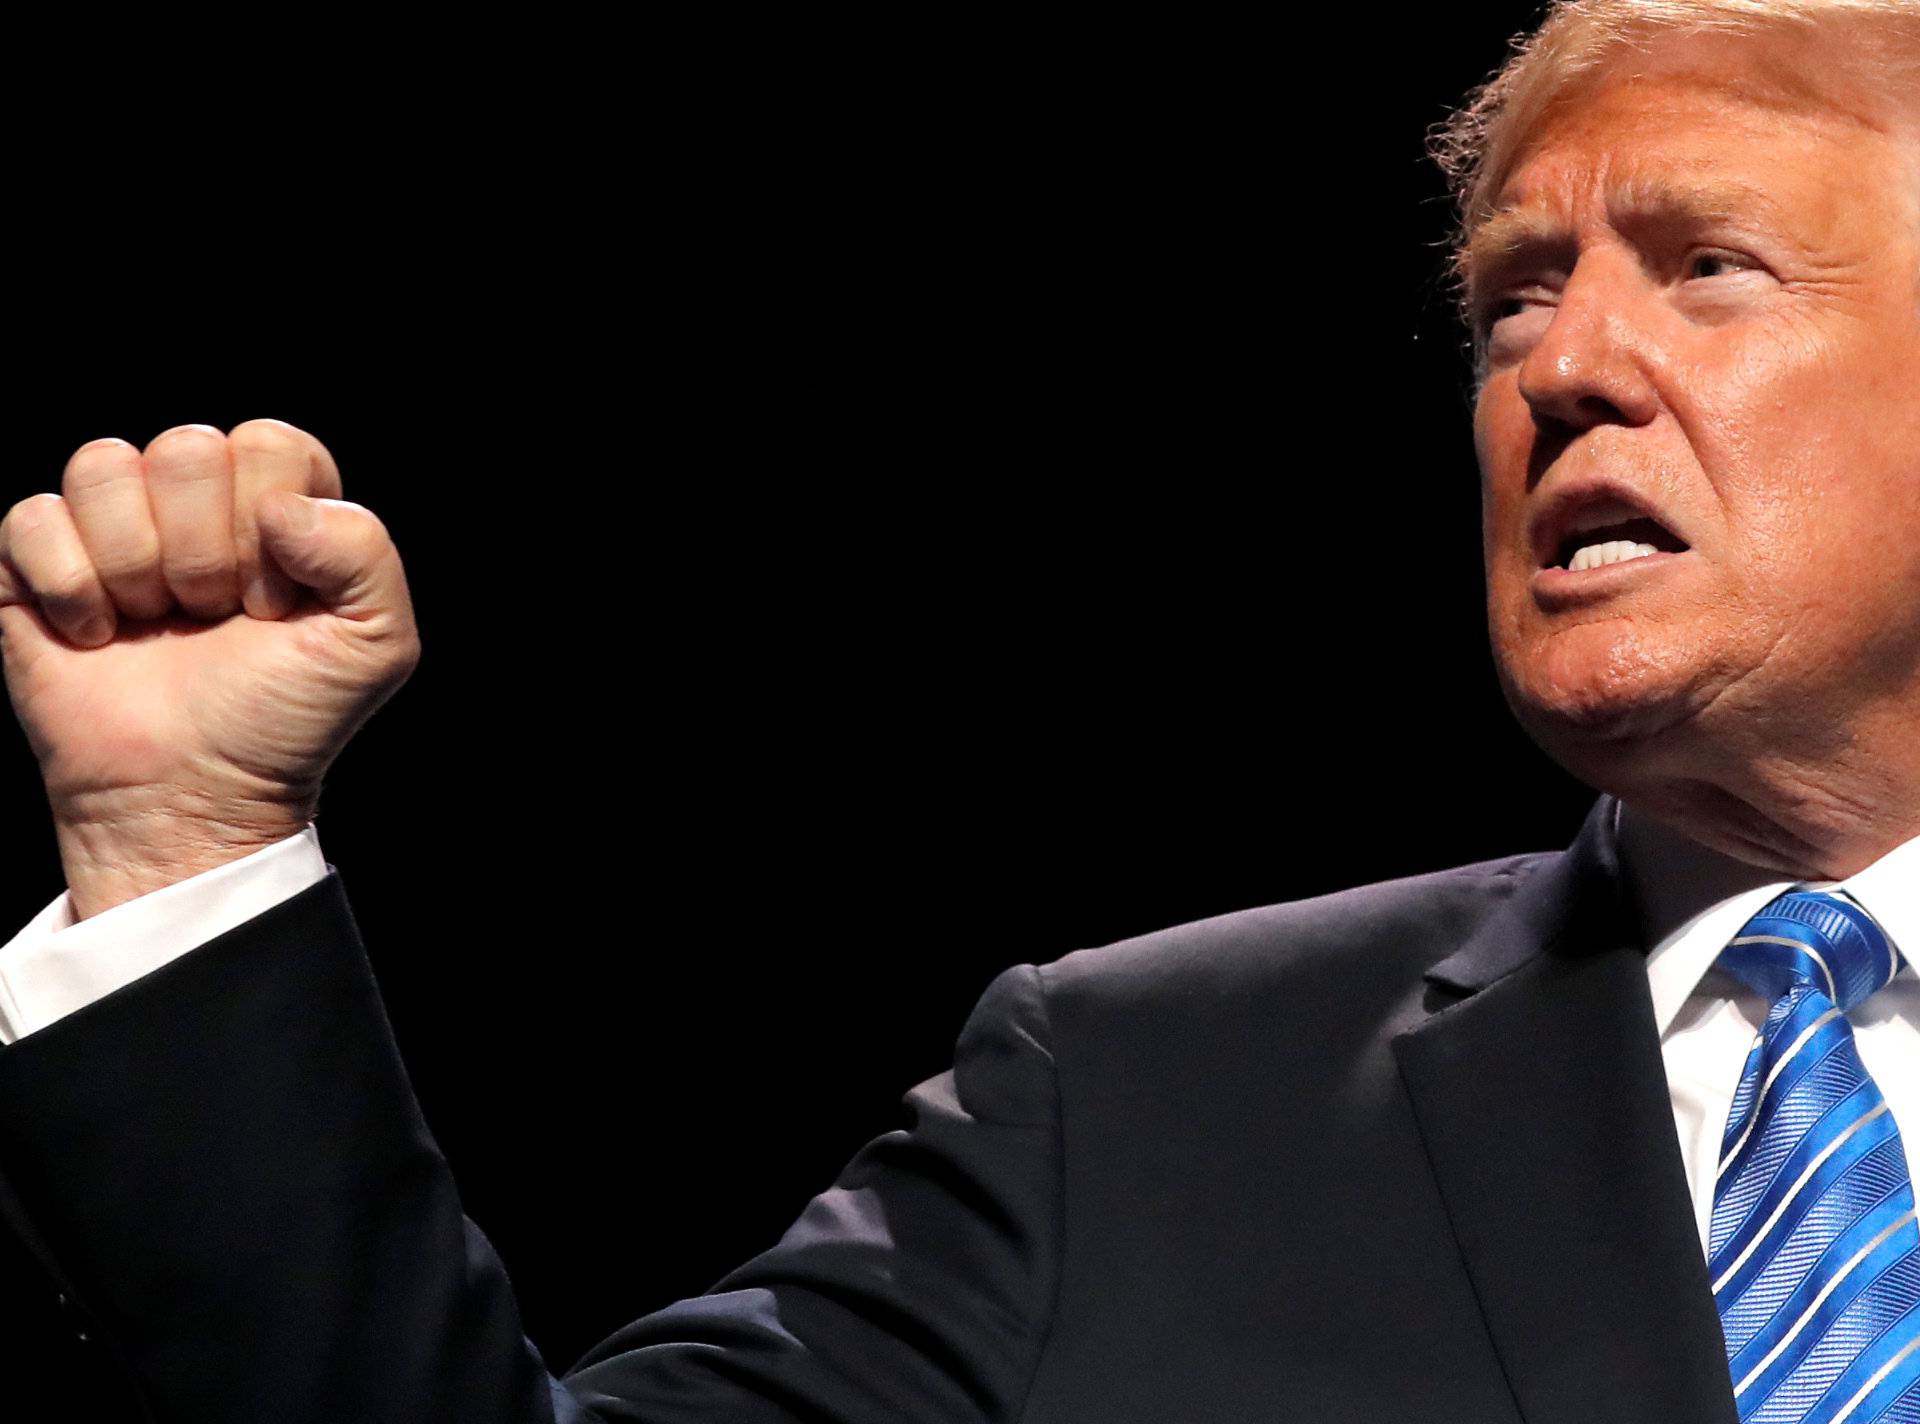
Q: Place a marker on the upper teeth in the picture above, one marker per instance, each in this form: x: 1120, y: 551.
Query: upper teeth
x: 1592, y: 556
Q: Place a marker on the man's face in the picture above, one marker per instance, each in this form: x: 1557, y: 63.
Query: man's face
x: 1713, y: 304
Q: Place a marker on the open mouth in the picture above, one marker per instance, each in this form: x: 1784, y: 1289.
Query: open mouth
x: 1616, y: 543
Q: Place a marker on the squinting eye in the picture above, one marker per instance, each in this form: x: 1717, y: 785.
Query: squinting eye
x: 1500, y: 308
x: 1723, y: 258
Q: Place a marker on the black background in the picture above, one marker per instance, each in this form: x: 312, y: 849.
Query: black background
x: 881, y: 505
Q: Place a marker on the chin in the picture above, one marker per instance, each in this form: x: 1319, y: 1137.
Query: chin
x: 1588, y: 695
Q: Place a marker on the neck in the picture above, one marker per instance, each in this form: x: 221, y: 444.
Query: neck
x: 1671, y: 877
x: 1784, y: 818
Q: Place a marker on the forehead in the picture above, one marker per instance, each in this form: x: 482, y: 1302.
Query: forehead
x: 1686, y: 121
x: 1685, y: 142
x: 1704, y: 96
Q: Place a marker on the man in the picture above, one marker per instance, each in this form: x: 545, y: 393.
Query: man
x: 1407, y: 1152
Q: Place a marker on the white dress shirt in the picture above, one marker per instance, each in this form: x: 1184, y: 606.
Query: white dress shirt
x: 1691, y: 900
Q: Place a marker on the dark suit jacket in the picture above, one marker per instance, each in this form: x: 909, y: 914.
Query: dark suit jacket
x: 1401, y: 1153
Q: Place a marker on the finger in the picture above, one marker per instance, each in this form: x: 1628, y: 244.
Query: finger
x: 343, y: 552
x: 190, y: 487
x: 326, y: 474
x: 46, y: 564
x: 267, y: 455
x: 105, y: 486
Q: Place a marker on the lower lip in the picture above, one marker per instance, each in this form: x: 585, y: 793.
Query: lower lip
x: 1563, y: 588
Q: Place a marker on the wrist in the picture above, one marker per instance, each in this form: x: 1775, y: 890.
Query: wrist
x: 108, y: 865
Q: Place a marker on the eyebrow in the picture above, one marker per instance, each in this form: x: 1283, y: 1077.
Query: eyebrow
x: 1513, y: 228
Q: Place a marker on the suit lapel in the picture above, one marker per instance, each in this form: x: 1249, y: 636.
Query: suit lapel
x: 1543, y: 1105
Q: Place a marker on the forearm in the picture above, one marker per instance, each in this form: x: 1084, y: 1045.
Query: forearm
x: 229, y: 1162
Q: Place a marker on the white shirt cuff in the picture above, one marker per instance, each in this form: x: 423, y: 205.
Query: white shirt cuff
x: 55, y: 965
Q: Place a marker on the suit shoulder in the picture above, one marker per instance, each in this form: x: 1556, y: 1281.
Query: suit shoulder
x: 1394, y: 928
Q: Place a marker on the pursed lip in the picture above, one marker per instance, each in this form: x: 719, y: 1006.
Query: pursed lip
x: 1610, y: 500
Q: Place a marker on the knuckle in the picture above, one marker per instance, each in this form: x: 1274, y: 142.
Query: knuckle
x: 185, y: 442
x: 101, y: 463
x: 31, y: 511
x: 30, y: 515
x: 105, y: 445
x: 399, y: 657
x: 264, y: 436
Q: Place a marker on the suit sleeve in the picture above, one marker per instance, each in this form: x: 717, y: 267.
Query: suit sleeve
x: 228, y: 1163
x: 56, y: 965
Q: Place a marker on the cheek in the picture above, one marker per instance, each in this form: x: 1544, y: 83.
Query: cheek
x: 1812, y: 440
x: 1761, y: 418
x: 1500, y: 449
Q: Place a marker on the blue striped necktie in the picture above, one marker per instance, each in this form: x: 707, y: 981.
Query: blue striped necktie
x: 1814, y: 1251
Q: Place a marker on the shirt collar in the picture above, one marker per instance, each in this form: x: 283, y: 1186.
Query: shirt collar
x: 1691, y: 899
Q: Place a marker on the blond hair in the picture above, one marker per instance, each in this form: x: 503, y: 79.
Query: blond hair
x: 1477, y: 145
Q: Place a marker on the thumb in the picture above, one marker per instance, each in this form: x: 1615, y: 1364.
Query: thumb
x: 338, y: 549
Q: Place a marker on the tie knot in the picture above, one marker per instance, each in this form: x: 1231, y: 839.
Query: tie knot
x: 1811, y: 938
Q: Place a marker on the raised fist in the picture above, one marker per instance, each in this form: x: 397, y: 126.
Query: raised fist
x: 193, y: 632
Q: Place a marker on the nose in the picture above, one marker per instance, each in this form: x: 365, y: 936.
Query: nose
x: 1589, y: 366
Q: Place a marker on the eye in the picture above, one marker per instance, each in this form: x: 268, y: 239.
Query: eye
x: 1728, y: 260
x: 1499, y: 308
